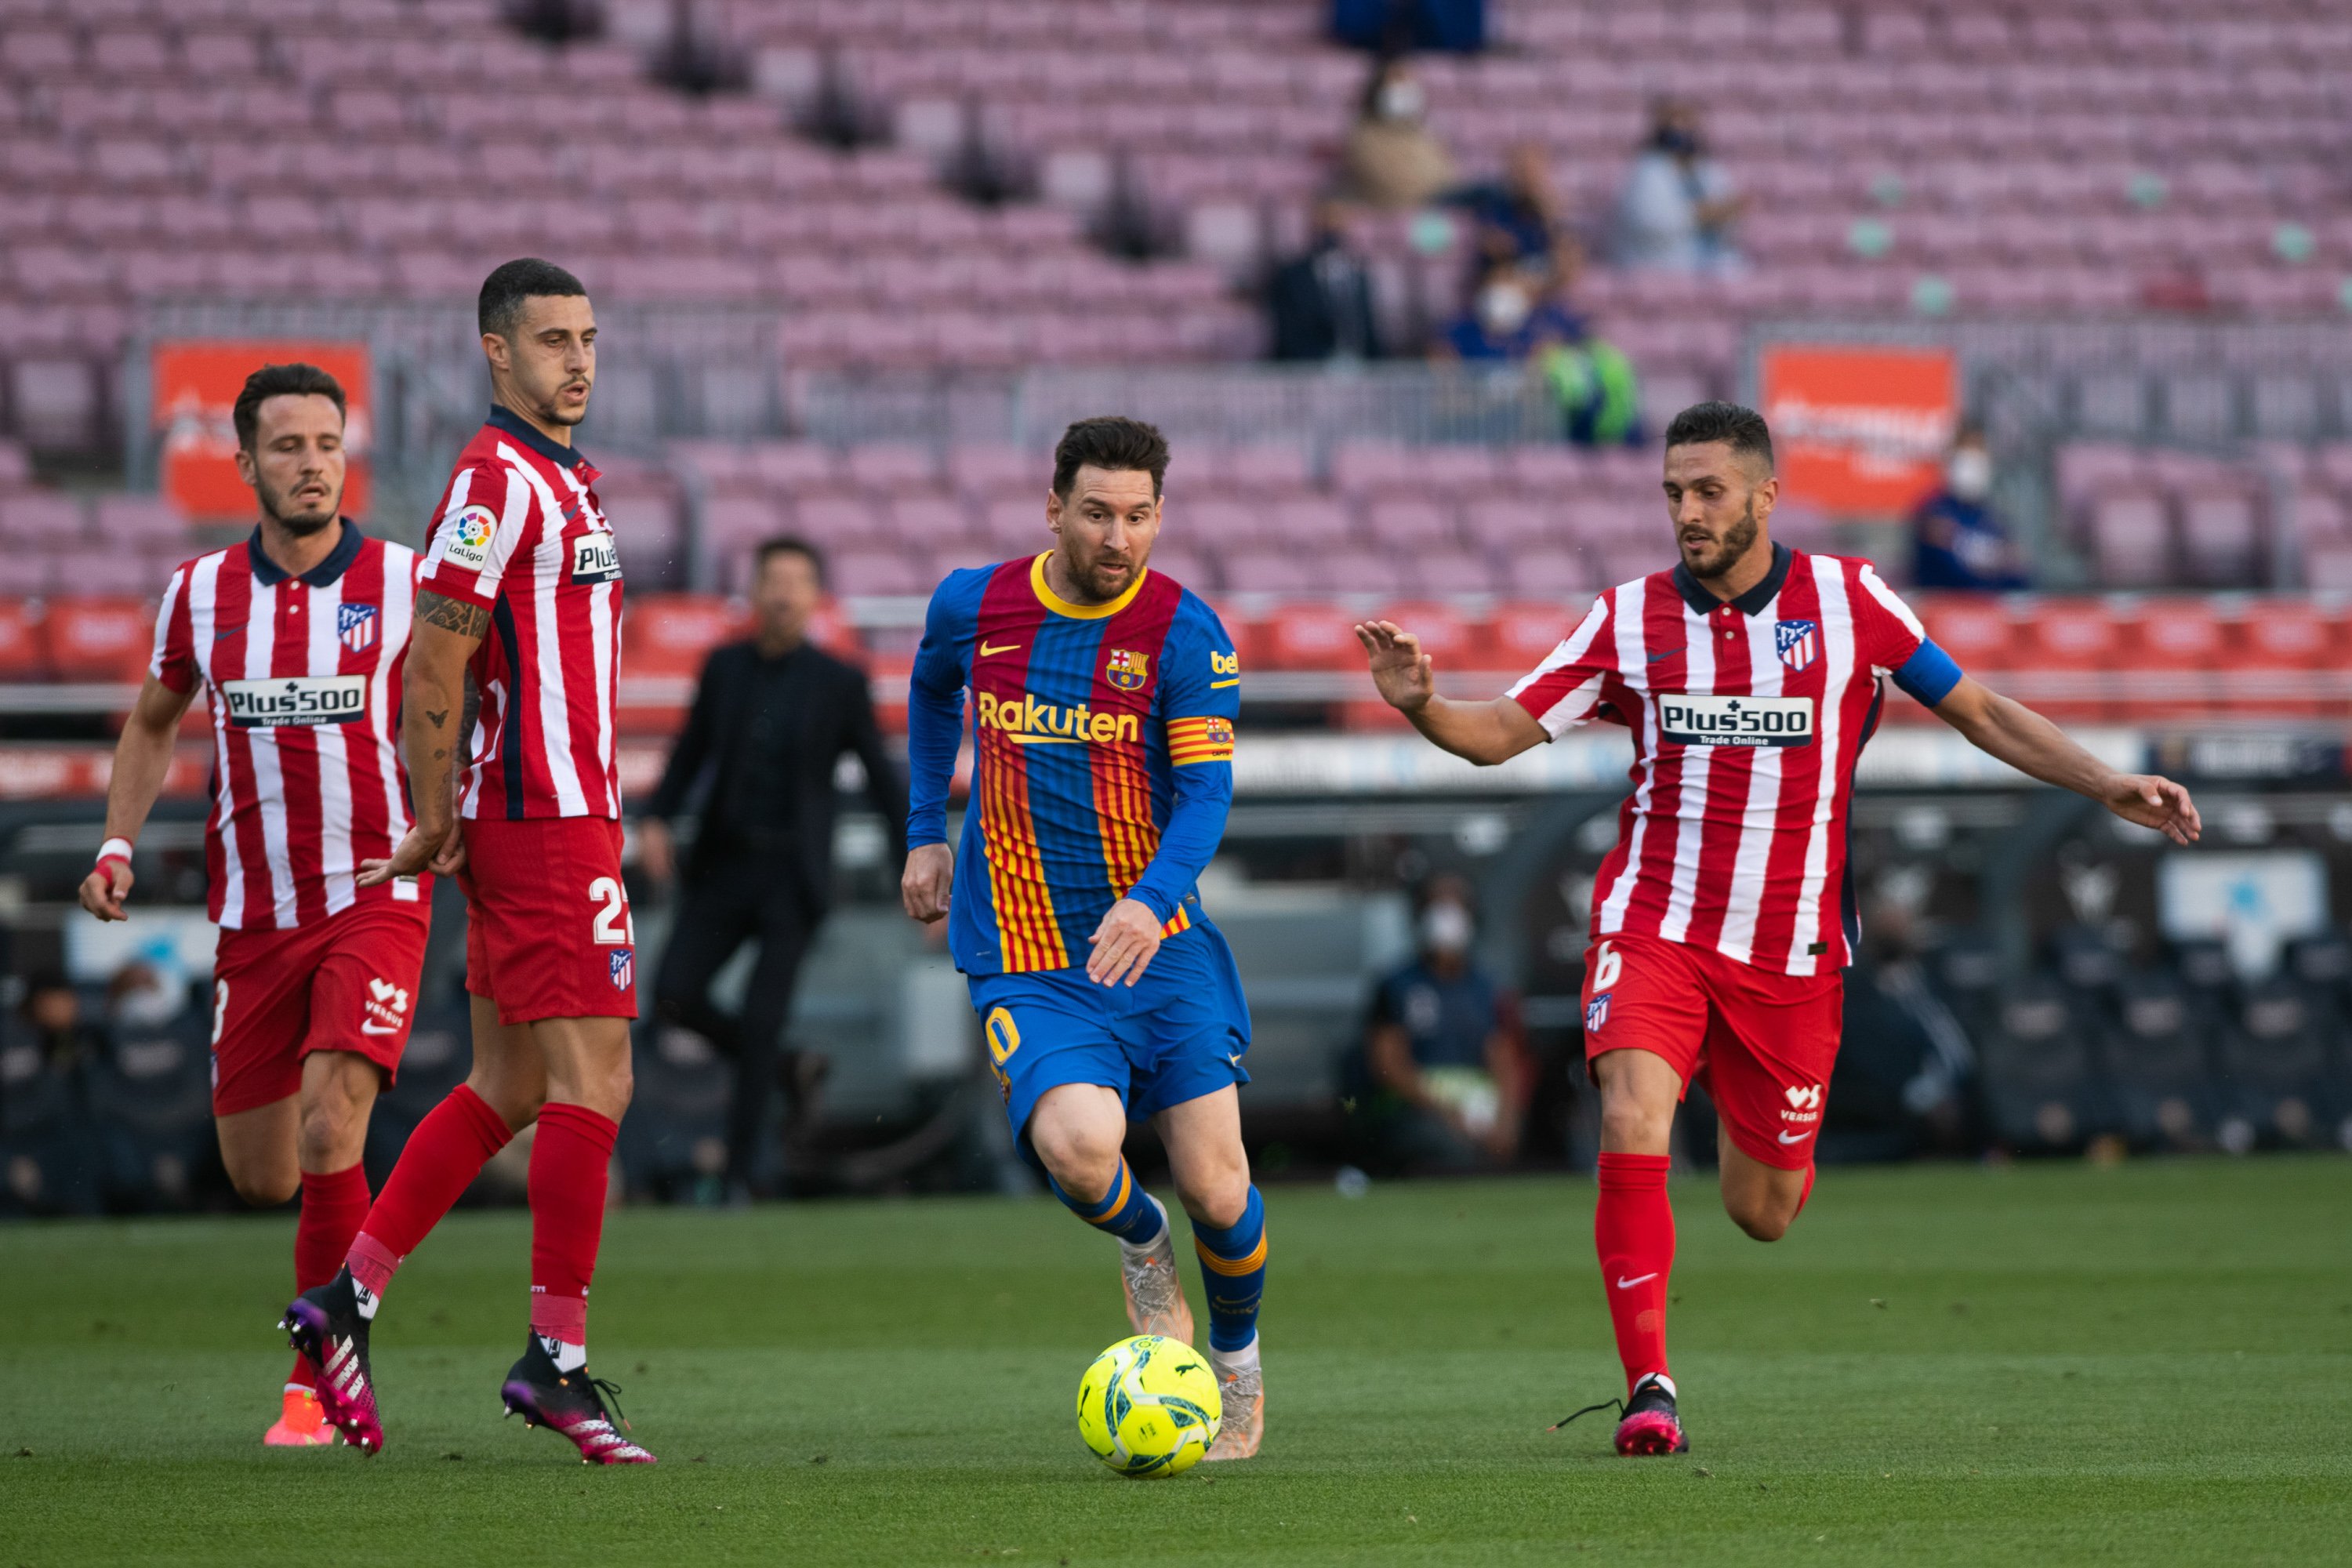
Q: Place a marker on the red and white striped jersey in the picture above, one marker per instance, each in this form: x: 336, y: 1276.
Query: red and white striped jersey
x: 302, y: 678
x: 1747, y: 718
x: 520, y: 535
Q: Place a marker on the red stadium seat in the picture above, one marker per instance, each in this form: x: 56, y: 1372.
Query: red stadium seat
x: 21, y: 654
x: 1522, y: 635
x: 100, y: 638
x: 1308, y: 636
x: 2072, y: 648
x: 1453, y: 639
x: 2174, y: 655
x: 1976, y: 629
x: 888, y: 674
x: 2287, y: 648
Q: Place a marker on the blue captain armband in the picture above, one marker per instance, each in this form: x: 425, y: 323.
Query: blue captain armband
x: 1928, y: 675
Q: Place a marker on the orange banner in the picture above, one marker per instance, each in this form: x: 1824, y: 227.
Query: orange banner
x: 1860, y: 432
x: 196, y: 384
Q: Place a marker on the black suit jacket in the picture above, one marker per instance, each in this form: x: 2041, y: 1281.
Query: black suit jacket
x: 837, y: 716
x: 1312, y: 320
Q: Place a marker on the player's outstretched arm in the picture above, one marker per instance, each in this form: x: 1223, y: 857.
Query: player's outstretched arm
x: 2007, y: 729
x: 143, y: 756
x: 1481, y: 733
x: 432, y: 714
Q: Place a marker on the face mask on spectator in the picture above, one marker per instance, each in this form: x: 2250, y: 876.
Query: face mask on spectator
x: 1445, y: 928
x: 1401, y: 100
x: 1503, y: 307
x: 1969, y: 474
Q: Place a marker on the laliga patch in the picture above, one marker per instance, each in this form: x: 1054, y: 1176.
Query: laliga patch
x: 1735, y: 720
x: 624, y: 962
x: 1127, y: 670
x: 466, y: 539
x: 357, y: 626
x: 1596, y: 1013
x: 595, y: 557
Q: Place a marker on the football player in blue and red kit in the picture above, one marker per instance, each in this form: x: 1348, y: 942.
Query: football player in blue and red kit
x: 1104, y: 696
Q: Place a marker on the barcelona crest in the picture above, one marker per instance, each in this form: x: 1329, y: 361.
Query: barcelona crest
x: 1127, y: 670
x: 1800, y: 643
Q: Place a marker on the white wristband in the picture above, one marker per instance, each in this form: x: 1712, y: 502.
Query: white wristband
x: 114, y: 849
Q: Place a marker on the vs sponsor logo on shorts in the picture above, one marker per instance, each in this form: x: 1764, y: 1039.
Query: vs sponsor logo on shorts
x: 1735, y: 720
x: 296, y: 699
x: 465, y: 540
x: 1804, y: 1109
x: 1596, y: 1012
x: 595, y: 559
x: 387, y: 1008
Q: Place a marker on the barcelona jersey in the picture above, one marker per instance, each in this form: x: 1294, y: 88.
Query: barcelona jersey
x: 1103, y: 744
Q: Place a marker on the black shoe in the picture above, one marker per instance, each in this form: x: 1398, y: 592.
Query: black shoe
x: 571, y: 1402
x: 1646, y: 1424
x: 329, y: 1326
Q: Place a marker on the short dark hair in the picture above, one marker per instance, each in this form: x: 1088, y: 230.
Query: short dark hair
x: 1112, y: 442
x: 504, y: 291
x: 1741, y: 429
x: 280, y: 380
x: 788, y: 544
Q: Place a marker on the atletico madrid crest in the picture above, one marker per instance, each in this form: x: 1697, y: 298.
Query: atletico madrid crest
x: 624, y: 967
x: 357, y: 626
x: 1127, y: 670
x: 1800, y: 643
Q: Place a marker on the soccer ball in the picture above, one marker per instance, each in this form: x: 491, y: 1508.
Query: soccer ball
x: 1150, y: 1406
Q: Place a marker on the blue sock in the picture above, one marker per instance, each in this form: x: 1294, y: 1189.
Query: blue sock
x: 1127, y: 1212
x: 1233, y: 1267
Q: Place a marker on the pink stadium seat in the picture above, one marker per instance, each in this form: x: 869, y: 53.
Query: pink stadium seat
x: 2132, y: 541
x: 1310, y: 522
x: 868, y: 572
x: 1410, y: 527
x: 2222, y: 539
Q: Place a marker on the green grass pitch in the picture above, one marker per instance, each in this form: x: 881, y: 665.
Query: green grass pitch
x: 2135, y: 1365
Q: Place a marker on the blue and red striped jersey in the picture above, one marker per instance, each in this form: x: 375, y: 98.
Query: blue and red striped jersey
x: 1103, y: 744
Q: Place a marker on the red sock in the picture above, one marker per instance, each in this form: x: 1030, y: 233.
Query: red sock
x: 1634, y: 1231
x: 443, y: 1155
x: 334, y: 1205
x: 569, y: 1159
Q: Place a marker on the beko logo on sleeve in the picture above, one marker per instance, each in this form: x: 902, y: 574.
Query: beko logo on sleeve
x: 1735, y: 720
x: 595, y: 558
x: 296, y: 699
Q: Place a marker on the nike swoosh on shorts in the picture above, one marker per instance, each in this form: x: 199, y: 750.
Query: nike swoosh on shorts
x: 1798, y: 1138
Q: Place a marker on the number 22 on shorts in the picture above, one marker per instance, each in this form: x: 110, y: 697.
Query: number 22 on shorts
x: 616, y: 924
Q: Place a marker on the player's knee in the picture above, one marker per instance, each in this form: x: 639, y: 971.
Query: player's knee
x: 1219, y: 1196
x: 1763, y: 1218
x: 331, y: 1128
x: 1082, y: 1161
x: 1628, y: 1124
x: 264, y: 1184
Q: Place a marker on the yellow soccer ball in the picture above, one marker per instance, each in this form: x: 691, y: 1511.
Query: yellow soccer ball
x: 1150, y: 1406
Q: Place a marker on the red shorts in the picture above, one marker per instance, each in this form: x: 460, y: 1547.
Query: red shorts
x: 548, y: 929
x: 1761, y: 1044
x: 347, y: 983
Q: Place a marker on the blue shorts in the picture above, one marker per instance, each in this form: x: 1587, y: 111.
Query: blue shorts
x: 1179, y: 1033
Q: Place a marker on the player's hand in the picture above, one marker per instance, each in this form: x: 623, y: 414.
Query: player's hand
x: 417, y: 853
x: 2154, y: 801
x: 103, y: 890
x: 927, y: 881
x: 657, y: 850
x: 1124, y: 943
x: 1401, y: 671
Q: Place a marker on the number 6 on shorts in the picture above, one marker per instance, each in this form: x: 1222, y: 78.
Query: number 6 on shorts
x: 1607, y: 964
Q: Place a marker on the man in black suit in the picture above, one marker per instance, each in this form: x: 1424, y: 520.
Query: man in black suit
x: 772, y: 719
x: 1321, y: 299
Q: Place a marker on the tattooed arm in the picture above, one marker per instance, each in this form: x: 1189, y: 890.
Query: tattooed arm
x: 432, y: 733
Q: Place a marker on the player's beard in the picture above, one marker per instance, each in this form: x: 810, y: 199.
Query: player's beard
x: 1731, y: 550
x: 555, y: 412
x: 1104, y: 580
x: 302, y: 522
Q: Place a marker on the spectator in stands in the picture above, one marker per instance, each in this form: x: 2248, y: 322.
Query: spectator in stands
x: 1391, y: 160
x: 58, y: 1042
x: 1519, y: 219
x: 1677, y: 208
x: 1322, y: 297
x: 1957, y: 540
x: 1440, y: 1054
x: 772, y: 717
x: 1519, y: 315
x: 1457, y: 26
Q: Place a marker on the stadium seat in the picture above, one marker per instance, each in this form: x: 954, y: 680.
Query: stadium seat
x: 2173, y: 655
x: 675, y: 1133
x: 99, y: 639
x: 2166, y: 1095
x: 2276, y: 1065
x: 665, y: 638
x: 1521, y: 634
x: 2038, y: 1063
x: 1310, y: 635
x: 2073, y: 646
x: 152, y: 1096
x: 1976, y: 629
x: 22, y: 651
